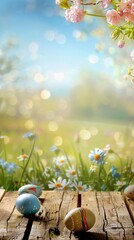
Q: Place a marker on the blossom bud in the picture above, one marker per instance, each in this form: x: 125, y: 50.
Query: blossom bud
x: 121, y: 43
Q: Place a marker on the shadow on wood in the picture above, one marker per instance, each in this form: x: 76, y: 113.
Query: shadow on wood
x: 89, y: 235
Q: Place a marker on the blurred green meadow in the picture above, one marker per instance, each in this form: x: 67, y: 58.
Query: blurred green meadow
x: 70, y: 139
x: 67, y: 134
x: 68, y: 128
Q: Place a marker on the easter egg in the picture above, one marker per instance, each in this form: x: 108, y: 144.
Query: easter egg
x: 79, y: 219
x: 30, y: 188
x: 27, y: 204
x: 129, y: 191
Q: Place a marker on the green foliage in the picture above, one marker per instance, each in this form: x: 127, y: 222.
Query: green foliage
x: 123, y: 31
x: 64, y: 4
x: 106, y: 176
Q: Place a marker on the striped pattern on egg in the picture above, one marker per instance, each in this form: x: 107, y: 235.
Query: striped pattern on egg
x: 79, y: 219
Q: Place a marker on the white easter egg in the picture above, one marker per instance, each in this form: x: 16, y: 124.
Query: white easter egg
x: 30, y: 188
x: 129, y: 191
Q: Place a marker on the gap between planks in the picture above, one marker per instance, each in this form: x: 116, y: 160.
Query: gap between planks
x: 112, y: 217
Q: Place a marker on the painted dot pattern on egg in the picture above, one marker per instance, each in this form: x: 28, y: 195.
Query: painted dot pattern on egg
x: 27, y: 204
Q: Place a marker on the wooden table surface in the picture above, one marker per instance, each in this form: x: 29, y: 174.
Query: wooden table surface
x: 114, y: 216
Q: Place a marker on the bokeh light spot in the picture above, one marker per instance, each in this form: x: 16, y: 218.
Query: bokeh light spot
x: 50, y: 36
x: 6, y: 140
x: 85, y: 134
x: 39, y: 151
x: 53, y: 126
x: 58, y: 141
x: 79, y: 35
x: 29, y: 124
x: 132, y: 133
x: 33, y: 47
x: 45, y: 94
x: 117, y: 136
x: 94, y: 131
x: 93, y: 59
x: 39, y: 77
x: 61, y: 39
x: 59, y: 76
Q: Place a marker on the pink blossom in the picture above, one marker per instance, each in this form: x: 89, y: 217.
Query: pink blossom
x: 127, y: 9
x: 105, y: 3
x: 77, y: 2
x: 74, y: 14
x: 121, y: 43
x: 125, y: 4
x: 130, y: 18
x: 113, y: 17
x: 132, y: 8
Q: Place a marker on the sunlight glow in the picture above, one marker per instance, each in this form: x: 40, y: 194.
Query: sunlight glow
x: 53, y: 126
x: 45, y: 94
x: 93, y: 59
x: 29, y: 124
x: 59, y: 76
x: 85, y: 134
x: 58, y: 141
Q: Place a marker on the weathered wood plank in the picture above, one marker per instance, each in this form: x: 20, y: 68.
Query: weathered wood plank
x: 55, y: 207
x: 17, y: 226
x: 7, y: 206
x: 12, y: 224
x: 119, y: 224
x: 90, y: 200
x: 112, y: 218
x: 130, y: 206
x: 2, y: 192
x: 113, y: 221
x: 122, y: 212
x: 70, y: 201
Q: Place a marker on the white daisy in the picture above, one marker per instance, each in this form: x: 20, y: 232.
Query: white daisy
x: 23, y: 157
x: 59, y: 184
x: 71, y: 172
x: 60, y: 160
x: 92, y: 168
x: 79, y: 186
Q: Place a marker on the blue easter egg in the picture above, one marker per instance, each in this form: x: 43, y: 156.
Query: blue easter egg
x: 30, y: 188
x: 27, y: 204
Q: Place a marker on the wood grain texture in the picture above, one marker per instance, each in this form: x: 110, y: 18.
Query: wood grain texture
x: 2, y: 192
x: 55, y: 206
x: 114, y: 217
x: 130, y: 206
x: 7, y: 205
x: 12, y: 224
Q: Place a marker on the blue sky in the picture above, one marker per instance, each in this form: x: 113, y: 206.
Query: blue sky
x: 49, y: 45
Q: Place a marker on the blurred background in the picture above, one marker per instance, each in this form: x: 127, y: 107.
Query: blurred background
x: 64, y: 81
